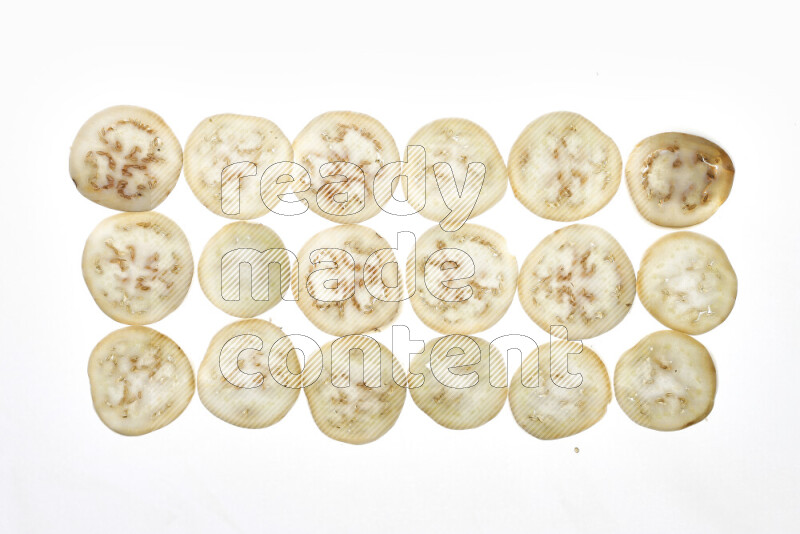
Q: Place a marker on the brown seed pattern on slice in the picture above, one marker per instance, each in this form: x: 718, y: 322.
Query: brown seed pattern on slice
x: 140, y: 380
x: 138, y: 267
x: 678, y: 180
x: 578, y: 277
x: 359, y: 399
x: 563, y: 168
x: 345, y: 142
x: 125, y: 158
x: 465, y: 280
x: 338, y: 290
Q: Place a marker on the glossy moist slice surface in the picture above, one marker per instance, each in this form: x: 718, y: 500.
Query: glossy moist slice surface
x: 125, y: 158
x: 678, y: 180
x: 566, y: 394
x: 667, y: 381
x: 687, y: 283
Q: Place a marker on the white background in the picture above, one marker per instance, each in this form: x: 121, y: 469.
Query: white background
x: 727, y: 73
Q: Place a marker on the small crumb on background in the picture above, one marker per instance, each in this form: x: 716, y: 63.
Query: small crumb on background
x: 577, y: 450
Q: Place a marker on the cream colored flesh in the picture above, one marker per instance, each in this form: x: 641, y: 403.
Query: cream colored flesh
x: 687, y: 283
x: 125, y: 158
x: 338, y: 290
x: 140, y: 380
x: 224, y: 140
x: 359, y: 399
x: 667, y: 381
x: 563, y: 168
x: 246, y: 248
x: 465, y: 280
x: 138, y: 267
x: 578, y: 277
x: 677, y: 179
x: 555, y: 403
x: 335, y: 139
x: 453, y: 383
x: 250, y: 376
x: 456, y: 142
